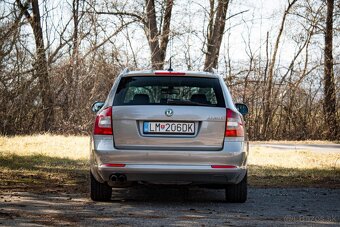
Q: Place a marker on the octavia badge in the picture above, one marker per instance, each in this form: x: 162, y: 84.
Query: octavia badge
x: 169, y: 112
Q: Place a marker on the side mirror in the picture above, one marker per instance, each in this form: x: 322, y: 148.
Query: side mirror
x: 242, y: 108
x: 96, y: 106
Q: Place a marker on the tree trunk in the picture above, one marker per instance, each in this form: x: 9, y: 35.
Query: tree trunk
x: 72, y: 76
x: 215, y: 35
x: 40, y: 66
x: 41, y: 69
x: 152, y: 34
x: 164, y: 39
x: 330, y: 98
x: 157, y: 40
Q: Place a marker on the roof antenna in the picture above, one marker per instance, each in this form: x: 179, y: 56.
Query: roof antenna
x: 170, y: 68
x: 170, y: 63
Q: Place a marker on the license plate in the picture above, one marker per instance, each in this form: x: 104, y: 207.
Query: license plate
x: 169, y: 128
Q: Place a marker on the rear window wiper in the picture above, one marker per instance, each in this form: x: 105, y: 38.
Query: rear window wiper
x: 186, y: 102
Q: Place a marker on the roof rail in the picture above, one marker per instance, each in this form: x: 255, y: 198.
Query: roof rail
x: 214, y: 70
x: 126, y: 70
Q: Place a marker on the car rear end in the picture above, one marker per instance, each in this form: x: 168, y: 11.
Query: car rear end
x: 161, y: 127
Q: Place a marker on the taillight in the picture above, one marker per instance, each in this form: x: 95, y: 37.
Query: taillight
x: 103, y: 123
x: 234, y: 125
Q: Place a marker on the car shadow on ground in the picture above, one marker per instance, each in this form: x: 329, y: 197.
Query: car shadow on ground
x: 167, y: 194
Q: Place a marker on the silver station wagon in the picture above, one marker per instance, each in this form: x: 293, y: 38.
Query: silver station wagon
x: 166, y: 127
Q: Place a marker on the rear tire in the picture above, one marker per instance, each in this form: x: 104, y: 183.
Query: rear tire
x: 237, y: 193
x: 100, y: 191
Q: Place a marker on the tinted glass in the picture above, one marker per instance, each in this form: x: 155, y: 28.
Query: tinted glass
x: 169, y: 90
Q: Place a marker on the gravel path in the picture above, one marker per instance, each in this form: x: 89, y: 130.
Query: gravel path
x: 160, y: 206
x: 307, y: 147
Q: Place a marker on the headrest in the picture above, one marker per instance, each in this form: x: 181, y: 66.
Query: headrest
x: 200, y: 98
x: 141, y: 99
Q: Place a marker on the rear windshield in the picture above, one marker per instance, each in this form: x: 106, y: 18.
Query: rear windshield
x: 169, y: 90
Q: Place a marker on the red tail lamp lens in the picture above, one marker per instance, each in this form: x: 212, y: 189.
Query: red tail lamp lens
x: 234, y: 125
x: 103, y: 123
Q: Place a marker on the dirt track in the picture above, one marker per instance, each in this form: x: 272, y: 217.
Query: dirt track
x: 157, y: 206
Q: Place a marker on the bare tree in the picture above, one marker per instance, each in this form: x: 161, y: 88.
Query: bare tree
x: 86, y: 46
x: 215, y: 33
x: 157, y: 31
x: 267, y: 98
x: 40, y: 65
x: 158, y: 40
x: 72, y: 77
x: 329, y: 86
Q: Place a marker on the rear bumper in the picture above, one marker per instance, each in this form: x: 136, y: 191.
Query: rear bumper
x: 175, y: 174
x: 176, y: 167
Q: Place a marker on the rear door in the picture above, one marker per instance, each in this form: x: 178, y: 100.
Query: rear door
x: 169, y: 113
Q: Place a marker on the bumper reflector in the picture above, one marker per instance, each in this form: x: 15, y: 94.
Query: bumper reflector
x: 223, y: 166
x: 114, y: 165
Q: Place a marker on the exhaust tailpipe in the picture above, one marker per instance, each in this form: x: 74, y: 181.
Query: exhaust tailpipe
x: 114, y: 178
x: 122, y: 178
x: 118, y: 178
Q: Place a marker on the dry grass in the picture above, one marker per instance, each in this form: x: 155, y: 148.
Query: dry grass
x: 60, y: 163
x: 294, y: 168
x: 72, y: 147
x: 296, y: 159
